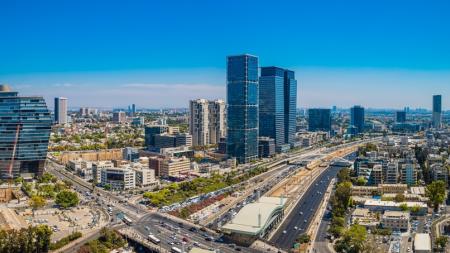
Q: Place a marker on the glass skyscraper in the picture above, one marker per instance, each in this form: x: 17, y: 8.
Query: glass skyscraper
x: 271, y: 104
x: 25, y: 124
x: 60, y: 110
x: 357, y: 118
x: 242, y: 107
x: 319, y: 120
x: 290, y: 106
x: 277, y: 105
x: 437, y: 111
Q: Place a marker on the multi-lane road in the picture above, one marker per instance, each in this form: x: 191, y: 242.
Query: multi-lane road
x: 300, y: 217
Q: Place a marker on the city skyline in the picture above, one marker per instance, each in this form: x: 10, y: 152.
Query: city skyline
x: 361, y: 53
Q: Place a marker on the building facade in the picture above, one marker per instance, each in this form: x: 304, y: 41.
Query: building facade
x: 151, y: 131
x: 118, y: 178
x: 319, y: 120
x: 400, y: 116
x: 60, y: 110
x: 357, y: 118
x: 207, y: 122
x: 119, y: 117
x: 242, y: 107
x: 25, y: 124
x: 290, y: 106
x: 437, y: 111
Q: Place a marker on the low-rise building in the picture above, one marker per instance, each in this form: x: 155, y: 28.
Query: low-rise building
x: 145, y: 177
x: 395, y: 220
x: 376, y: 205
x: 422, y: 243
x: 364, y: 217
x: 118, y: 178
x: 97, y: 168
x: 175, y: 167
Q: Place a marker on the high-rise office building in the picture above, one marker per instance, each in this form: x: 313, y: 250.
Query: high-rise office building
x: 400, y: 116
x: 271, y: 104
x: 290, y: 106
x: 133, y: 109
x: 357, y: 118
x: 319, y: 120
x: 25, y: 124
x: 151, y: 131
x: 277, y: 105
x: 207, y: 121
x: 60, y: 110
x: 119, y: 117
x: 242, y: 107
x: 437, y: 111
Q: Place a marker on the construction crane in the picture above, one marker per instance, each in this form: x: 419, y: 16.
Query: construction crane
x: 13, y: 156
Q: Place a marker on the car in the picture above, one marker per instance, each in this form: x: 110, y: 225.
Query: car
x: 208, y: 239
x: 305, y: 221
x: 301, y: 213
x: 284, y: 232
x: 295, y: 228
x: 238, y: 249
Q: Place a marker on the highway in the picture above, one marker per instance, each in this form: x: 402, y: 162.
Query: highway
x: 304, y: 211
x: 171, y: 234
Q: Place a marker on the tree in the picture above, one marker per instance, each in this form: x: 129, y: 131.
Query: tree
x: 303, y: 238
x: 361, y: 181
x: 399, y: 198
x: 18, y: 180
x: 353, y: 240
x: 107, y: 187
x: 66, y: 199
x: 441, y: 242
x: 436, y: 193
x: 37, y: 202
x: 343, y: 175
x: 403, y: 207
x: 46, y: 178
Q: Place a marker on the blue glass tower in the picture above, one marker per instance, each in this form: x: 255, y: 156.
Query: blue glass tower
x: 437, y: 111
x: 319, y: 120
x: 25, y: 124
x: 277, y: 105
x: 242, y: 107
x: 290, y: 106
x: 271, y: 104
x: 357, y: 118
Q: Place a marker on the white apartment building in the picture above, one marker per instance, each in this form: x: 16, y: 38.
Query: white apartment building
x: 175, y: 167
x: 118, y: 178
x: 97, y: 168
x: 144, y: 176
x: 395, y: 220
x: 207, y: 122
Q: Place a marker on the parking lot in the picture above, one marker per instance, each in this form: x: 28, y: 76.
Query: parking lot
x: 64, y: 222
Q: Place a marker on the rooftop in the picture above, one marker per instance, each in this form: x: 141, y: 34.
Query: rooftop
x: 5, y: 88
x: 246, y: 221
x: 422, y: 242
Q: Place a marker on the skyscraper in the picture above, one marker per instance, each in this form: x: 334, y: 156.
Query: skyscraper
x: 319, y: 120
x: 357, y: 118
x: 437, y: 111
x: 277, y: 105
x: 271, y: 104
x: 60, y: 110
x: 400, y: 116
x: 133, y: 109
x: 25, y: 124
x: 290, y: 106
x: 242, y: 107
x: 206, y: 121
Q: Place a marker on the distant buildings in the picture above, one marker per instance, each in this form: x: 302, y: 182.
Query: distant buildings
x: 319, y: 120
x: 437, y: 111
x: 151, y: 131
x: 166, y: 140
x: 170, y: 166
x: 400, y: 116
x: 207, y: 121
x: 408, y: 174
x: 357, y: 118
x: 119, y: 117
x: 60, y: 110
x: 25, y: 124
x: 277, y: 106
x: 86, y: 111
x: 242, y: 107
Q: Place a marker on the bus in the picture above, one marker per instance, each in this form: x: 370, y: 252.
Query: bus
x: 153, y: 239
x: 127, y: 220
x: 175, y: 250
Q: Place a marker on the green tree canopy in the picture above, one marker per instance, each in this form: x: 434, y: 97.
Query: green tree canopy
x: 66, y: 199
x: 436, y: 193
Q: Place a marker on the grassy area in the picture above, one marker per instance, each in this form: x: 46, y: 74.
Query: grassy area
x: 66, y: 240
x: 177, y: 192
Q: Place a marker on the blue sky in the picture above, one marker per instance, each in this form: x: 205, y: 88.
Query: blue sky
x: 162, y: 53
